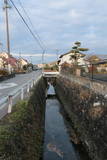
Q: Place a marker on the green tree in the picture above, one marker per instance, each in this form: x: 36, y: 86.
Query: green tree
x: 77, y: 50
x: 55, y: 67
x: 46, y: 66
x: 30, y: 65
x: 25, y: 67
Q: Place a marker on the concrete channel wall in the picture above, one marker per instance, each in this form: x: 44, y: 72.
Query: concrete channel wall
x: 22, y: 131
x: 95, y: 85
x: 87, y: 109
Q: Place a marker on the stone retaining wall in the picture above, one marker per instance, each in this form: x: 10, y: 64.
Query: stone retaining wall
x: 88, y: 112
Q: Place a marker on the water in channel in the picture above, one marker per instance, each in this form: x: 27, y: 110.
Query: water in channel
x: 57, y: 143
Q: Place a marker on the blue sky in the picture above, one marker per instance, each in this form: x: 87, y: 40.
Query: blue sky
x: 59, y: 23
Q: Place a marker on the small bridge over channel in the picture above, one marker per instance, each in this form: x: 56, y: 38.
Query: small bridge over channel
x: 50, y: 74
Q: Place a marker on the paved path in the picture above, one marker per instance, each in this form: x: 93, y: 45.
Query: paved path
x: 101, y: 77
x: 9, y: 85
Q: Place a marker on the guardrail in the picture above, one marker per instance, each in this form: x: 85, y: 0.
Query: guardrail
x: 19, y: 93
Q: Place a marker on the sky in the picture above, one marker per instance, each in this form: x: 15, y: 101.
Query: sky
x: 59, y: 24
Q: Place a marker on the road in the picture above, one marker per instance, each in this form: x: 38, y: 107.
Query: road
x: 101, y: 77
x: 11, y: 84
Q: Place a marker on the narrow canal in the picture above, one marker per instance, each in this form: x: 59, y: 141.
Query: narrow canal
x: 57, y: 144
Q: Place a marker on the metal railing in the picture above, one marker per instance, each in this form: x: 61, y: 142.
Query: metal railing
x: 19, y: 93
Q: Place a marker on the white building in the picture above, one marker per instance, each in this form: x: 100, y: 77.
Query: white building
x: 1, y: 63
x: 4, y: 55
x: 22, y: 62
x: 70, y: 59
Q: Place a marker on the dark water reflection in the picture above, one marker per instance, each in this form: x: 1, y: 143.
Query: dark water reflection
x: 57, y: 144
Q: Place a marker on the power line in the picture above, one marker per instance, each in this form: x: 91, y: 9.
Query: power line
x: 41, y: 46
x: 26, y: 13
x: 28, y: 17
x: 27, y: 26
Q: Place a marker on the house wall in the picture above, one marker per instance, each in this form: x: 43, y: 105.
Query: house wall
x: 101, y: 67
x: 5, y: 55
x: 22, y: 62
x: 67, y: 58
x: 1, y: 63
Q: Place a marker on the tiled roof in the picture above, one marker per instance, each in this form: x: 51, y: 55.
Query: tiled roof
x: 11, y: 61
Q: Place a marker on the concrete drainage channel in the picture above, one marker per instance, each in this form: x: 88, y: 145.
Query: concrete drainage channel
x: 24, y: 127
x: 57, y: 143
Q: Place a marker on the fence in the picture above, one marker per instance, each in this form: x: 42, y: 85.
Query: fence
x: 96, y: 71
x: 97, y: 86
x: 19, y: 93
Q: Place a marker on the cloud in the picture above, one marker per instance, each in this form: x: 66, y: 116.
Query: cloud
x: 59, y: 23
x: 58, y: 4
x: 34, y: 55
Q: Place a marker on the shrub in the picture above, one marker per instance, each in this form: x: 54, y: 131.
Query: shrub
x: 3, y: 72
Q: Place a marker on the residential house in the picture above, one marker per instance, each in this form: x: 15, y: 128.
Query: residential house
x: 22, y: 62
x: 53, y: 63
x: 8, y: 62
x: 93, y: 59
x: 4, y: 55
x: 99, y: 62
x: 40, y: 65
x: 12, y: 64
x: 71, y: 58
x: 1, y: 63
x: 101, y: 66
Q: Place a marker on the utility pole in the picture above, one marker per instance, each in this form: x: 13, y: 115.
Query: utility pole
x: 1, y: 45
x: 92, y: 76
x: 6, y: 7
